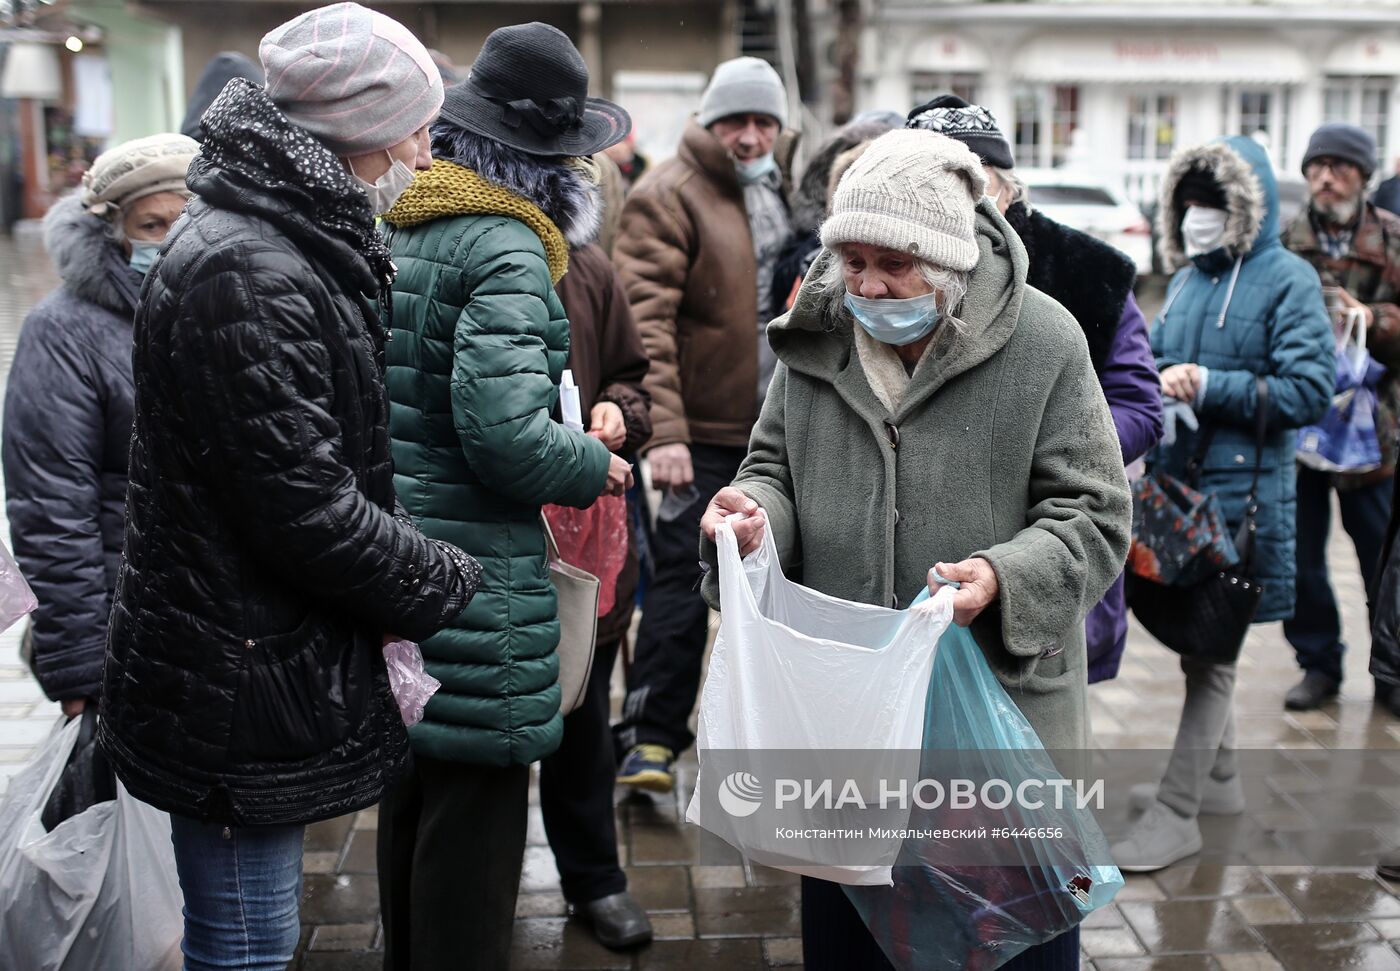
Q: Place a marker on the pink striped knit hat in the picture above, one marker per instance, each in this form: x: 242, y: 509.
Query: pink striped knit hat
x: 357, y: 80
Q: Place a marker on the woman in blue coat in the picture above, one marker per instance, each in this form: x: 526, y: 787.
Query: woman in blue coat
x: 1241, y: 308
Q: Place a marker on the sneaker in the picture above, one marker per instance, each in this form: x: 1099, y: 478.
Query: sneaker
x: 1157, y: 839
x: 1217, y: 798
x: 1315, y: 690
x: 648, y: 767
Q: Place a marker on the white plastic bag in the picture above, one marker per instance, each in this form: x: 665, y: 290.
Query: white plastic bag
x: 411, y: 684
x: 16, y: 599
x: 99, y: 891
x: 795, y: 671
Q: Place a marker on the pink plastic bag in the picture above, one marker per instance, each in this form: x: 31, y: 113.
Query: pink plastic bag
x: 16, y: 599
x: 412, y: 686
x: 595, y: 540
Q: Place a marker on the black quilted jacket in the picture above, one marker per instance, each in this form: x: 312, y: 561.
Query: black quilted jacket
x: 244, y: 680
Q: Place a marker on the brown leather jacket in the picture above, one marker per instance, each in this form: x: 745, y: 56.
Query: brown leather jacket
x: 685, y: 256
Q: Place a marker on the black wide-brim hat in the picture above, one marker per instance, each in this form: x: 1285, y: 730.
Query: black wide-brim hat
x: 528, y: 89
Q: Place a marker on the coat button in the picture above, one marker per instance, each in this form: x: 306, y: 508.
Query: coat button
x: 892, y: 433
x: 896, y: 517
x: 894, y: 601
x: 250, y: 643
x: 1239, y: 460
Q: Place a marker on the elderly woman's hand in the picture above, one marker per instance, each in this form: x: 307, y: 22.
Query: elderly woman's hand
x: 748, y: 531
x: 1182, y: 382
x: 979, y: 587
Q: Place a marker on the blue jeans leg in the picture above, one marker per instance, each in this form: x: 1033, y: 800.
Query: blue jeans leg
x: 242, y: 888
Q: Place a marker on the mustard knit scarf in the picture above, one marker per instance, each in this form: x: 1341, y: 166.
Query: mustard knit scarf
x: 448, y: 189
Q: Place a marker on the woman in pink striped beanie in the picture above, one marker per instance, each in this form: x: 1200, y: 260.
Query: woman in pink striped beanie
x: 246, y: 692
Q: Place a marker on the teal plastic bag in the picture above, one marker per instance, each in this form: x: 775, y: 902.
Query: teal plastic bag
x: 945, y: 912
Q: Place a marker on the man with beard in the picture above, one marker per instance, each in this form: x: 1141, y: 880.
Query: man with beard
x: 1355, y: 248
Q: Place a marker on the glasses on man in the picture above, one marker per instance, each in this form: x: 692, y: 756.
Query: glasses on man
x: 1336, y: 166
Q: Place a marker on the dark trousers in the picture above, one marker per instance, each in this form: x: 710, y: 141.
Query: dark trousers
x: 664, y: 678
x: 576, y: 794
x: 451, y: 843
x: 834, y: 938
x: 1316, y: 628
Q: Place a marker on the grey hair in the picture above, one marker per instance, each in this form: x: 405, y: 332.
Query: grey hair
x: 951, y: 283
x: 1013, y: 184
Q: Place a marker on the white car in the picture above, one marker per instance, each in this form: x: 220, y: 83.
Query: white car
x: 1092, y: 206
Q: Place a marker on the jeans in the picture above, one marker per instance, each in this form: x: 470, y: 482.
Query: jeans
x: 664, y: 679
x: 834, y: 938
x: 1315, y: 631
x: 1205, y: 737
x: 451, y: 846
x: 576, y: 794
x: 242, y: 888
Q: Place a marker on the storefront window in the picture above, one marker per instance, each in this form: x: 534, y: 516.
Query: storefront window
x: 928, y: 85
x: 1151, y: 126
x: 1256, y: 112
x: 1363, y: 101
x: 1046, y: 118
x: 1263, y: 114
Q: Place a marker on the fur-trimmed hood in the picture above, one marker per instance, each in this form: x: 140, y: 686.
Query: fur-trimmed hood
x: 1241, y: 167
x: 561, y: 192
x: 88, y: 259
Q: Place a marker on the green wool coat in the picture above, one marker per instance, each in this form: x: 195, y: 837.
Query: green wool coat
x: 479, y: 345
x: 1006, y: 450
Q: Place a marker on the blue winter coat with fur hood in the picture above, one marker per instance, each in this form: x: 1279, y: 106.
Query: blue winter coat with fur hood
x: 1252, y: 310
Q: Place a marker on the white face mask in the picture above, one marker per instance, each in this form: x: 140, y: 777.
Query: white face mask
x: 1203, y: 230
x: 386, y: 189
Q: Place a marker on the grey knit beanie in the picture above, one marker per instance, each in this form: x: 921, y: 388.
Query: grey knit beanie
x: 912, y: 191
x: 1351, y: 143
x: 357, y: 80
x: 745, y: 85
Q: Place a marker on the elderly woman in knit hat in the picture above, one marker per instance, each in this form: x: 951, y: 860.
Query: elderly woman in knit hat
x: 69, y: 402
x: 245, y: 687
x: 972, y: 438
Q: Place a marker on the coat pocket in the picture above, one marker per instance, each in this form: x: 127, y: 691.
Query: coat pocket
x: 299, y: 694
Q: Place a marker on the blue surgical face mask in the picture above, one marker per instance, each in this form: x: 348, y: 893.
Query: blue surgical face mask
x: 143, y: 255
x: 896, y: 321
x: 756, y: 169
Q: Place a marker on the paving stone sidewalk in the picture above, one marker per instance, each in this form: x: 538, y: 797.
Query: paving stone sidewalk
x: 733, y: 916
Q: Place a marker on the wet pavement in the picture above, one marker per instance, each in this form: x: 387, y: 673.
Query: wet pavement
x: 733, y: 916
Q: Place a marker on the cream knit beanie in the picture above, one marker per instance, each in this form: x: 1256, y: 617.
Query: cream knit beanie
x: 912, y: 191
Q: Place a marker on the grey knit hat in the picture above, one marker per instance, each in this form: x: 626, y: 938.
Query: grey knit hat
x: 1351, y: 143
x: 745, y: 85
x: 136, y: 169
x: 912, y: 191
x: 357, y: 80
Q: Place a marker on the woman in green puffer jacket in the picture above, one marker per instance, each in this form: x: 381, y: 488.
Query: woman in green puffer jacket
x: 479, y: 343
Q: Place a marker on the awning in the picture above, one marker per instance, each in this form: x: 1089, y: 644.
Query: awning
x: 946, y: 52
x: 1151, y: 57
x: 1365, y: 55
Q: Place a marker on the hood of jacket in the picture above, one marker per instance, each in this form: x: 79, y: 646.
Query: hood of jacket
x: 448, y: 189
x: 809, y: 203
x: 1086, y: 276
x: 220, y: 70
x: 701, y: 151
x: 816, y: 337
x: 89, y: 261
x: 1241, y: 167
x: 570, y: 200
x: 254, y: 160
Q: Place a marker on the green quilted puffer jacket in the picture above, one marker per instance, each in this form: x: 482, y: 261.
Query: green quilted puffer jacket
x: 478, y: 348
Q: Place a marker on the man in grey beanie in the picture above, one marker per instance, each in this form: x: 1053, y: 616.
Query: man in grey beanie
x: 701, y: 235
x: 1355, y: 248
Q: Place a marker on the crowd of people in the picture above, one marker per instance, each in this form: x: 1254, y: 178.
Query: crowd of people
x: 298, y: 397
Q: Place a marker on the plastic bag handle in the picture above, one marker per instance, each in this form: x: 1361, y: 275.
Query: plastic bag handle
x: 732, y: 564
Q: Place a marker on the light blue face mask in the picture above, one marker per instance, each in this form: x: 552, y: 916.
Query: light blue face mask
x: 143, y: 255
x: 756, y: 169
x: 896, y: 322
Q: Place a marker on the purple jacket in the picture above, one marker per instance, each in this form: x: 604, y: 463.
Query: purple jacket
x: 1094, y: 282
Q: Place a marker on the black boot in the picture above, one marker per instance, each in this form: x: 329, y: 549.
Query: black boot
x: 618, y: 920
x: 1315, y: 690
x: 1388, y: 697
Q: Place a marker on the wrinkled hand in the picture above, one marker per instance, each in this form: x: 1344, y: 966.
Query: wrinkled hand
x: 1181, y: 381
x: 979, y: 587
x: 73, y: 707
x: 748, y: 531
x: 391, y: 638
x: 607, y: 426
x: 1352, y: 303
x: 619, y: 477
x: 670, y: 467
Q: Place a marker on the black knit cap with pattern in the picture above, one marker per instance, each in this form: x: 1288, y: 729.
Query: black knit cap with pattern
x: 970, y: 124
x: 1199, y: 186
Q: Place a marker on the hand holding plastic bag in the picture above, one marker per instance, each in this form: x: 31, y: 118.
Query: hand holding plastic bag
x: 411, y: 684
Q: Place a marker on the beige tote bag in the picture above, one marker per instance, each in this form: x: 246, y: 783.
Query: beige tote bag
x: 577, y: 592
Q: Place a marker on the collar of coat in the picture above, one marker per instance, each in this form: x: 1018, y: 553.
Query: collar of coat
x: 1368, y: 241
x: 90, y: 262
x: 448, y: 189
x: 810, y: 339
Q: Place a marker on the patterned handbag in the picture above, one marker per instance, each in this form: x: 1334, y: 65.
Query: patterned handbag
x: 1208, y: 618
x: 1346, y: 439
